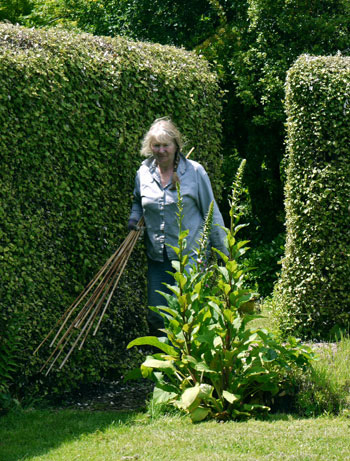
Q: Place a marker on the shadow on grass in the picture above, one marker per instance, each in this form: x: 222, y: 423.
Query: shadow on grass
x: 25, y: 434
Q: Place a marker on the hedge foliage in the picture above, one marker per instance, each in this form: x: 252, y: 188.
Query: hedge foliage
x: 315, y: 277
x: 73, y: 110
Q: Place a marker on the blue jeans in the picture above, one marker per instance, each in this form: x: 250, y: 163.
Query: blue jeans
x: 156, y: 276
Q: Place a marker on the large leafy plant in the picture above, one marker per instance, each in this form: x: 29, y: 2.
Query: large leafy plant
x: 210, y: 363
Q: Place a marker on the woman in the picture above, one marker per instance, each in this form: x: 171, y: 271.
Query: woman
x: 155, y: 197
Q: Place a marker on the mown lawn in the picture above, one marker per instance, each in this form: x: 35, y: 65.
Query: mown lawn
x: 105, y: 436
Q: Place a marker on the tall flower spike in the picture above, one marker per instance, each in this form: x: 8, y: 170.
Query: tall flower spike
x: 205, y: 235
x: 235, y: 211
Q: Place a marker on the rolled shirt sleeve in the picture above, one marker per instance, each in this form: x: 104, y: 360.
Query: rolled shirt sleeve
x: 136, y: 208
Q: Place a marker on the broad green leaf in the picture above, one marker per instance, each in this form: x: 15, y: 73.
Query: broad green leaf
x: 199, y: 414
x: 197, y: 287
x: 173, y: 288
x: 161, y: 396
x: 245, y: 298
x: 180, y: 279
x: 216, y: 307
x: 230, y: 240
x: 269, y: 355
x: 224, y: 272
x: 194, y: 297
x: 153, y: 341
x: 170, y: 311
x: 222, y: 255
x: 176, y: 265
x: 202, y: 366
x: 183, y: 234
x: 226, y: 288
x: 206, y: 337
x: 252, y: 338
x: 231, y: 266
x: 242, y: 243
x: 231, y: 397
x: 206, y: 314
x: 176, y: 249
x: 241, y: 226
x: 189, y: 397
x: 146, y: 371
x: 185, y: 261
x: 206, y: 390
x: 183, y: 301
x: 133, y: 374
x: 189, y: 359
x: 229, y: 315
x: 217, y: 341
x: 237, y: 323
x: 150, y: 362
x: 240, y: 413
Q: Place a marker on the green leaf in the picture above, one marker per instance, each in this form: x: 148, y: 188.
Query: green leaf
x: 183, y: 234
x: 229, y: 315
x: 231, y: 398
x: 146, y: 371
x: 269, y: 355
x: 153, y: 341
x: 206, y: 390
x: 189, y: 397
x: 202, y: 366
x: 166, y: 312
x: 162, y: 396
x: 176, y: 265
x: 133, y: 374
x: 222, y: 255
x: 150, y: 362
x: 199, y: 414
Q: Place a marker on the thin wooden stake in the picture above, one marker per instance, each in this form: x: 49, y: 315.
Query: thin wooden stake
x: 101, y: 289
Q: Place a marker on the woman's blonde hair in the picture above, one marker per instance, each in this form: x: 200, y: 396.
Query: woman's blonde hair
x: 161, y: 130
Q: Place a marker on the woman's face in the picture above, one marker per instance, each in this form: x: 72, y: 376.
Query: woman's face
x: 164, y: 152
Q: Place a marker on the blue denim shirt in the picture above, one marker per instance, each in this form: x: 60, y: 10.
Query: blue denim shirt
x: 158, y: 205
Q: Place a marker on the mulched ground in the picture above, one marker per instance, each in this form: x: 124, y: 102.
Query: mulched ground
x: 114, y: 395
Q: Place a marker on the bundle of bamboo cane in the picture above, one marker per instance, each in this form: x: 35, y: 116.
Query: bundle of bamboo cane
x: 94, y: 300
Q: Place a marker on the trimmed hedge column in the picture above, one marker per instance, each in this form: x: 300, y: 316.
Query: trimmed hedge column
x: 73, y: 110
x: 315, y: 279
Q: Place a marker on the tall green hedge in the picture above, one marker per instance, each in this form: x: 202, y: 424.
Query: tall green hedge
x: 73, y: 110
x: 315, y: 277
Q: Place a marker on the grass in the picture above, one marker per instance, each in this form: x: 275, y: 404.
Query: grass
x: 52, y: 435
x: 111, y: 436
x: 326, y: 389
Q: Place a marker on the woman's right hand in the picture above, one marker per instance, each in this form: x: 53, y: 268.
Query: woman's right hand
x: 132, y: 225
